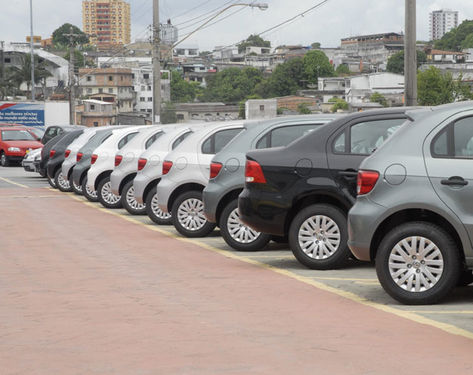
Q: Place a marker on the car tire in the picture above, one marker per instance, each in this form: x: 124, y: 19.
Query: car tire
x: 188, y: 215
x: 62, y: 183
x: 89, y: 194
x: 129, y: 202
x: 318, y: 237
x: 105, y: 195
x: 51, y: 182
x: 153, y: 210
x: 4, y: 160
x: 75, y: 188
x: 237, y: 235
x: 393, y: 258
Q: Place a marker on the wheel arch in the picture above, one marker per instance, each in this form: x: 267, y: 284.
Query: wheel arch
x: 100, y: 177
x: 183, y: 189
x: 409, y: 215
x: 126, y: 180
x: 227, y: 198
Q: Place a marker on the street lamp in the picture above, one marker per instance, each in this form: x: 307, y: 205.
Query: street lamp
x: 260, y: 6
x: 33, y: 94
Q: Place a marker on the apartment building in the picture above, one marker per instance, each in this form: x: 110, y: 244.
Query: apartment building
x: 107, y: 21
x: 441, y: 22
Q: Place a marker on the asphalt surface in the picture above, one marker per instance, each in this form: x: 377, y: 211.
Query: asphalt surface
x: 89, y: 290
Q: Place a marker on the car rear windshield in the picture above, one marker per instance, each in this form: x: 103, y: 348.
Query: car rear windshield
x: 17, y: 135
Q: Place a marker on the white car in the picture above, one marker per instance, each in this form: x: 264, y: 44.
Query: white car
x: 126, y: 167
x: 186, y: 172
x: 150, y: 170
x: 103, y: 162
x: 71, y: 156
x: 28, y: 162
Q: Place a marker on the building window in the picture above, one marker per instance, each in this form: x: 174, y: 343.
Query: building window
x: 110, y: 91
x: 96, y: 124
x: 110, y: 78
x: 150, y: 99
x: 149, y: 110
x: 92, y: 107
x: 149, y: 88
x: 142, y: 99
x: 89, y: 91
x: 89, y: 78
x: 146, y: 76
x: 100, y: 91
x: 261, y: 107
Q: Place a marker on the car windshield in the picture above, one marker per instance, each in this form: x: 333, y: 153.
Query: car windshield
x: 17, y: 135
x: 38, y: 132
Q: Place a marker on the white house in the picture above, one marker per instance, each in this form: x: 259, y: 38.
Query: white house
x: 359, y: 89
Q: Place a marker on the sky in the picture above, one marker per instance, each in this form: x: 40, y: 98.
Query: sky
x: 327, y: 24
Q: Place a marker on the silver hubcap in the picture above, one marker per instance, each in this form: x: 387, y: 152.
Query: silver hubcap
x: 156, y: 210
x: 191, y: 214
x: 238, y: 231
x: 416, y: 264
x: 107, y: 194
x: 51, y: 181
x: 4, y: 159
x: 319, y: 237
x: 131, y: 201
x: 63, y: 182
x: 90, y: 193
x: 77, y: 187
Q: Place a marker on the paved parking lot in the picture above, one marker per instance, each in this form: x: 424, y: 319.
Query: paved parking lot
x: 90, y: 290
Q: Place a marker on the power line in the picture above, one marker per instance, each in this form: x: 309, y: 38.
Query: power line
x: 190, y: 10
x: 203, y: 16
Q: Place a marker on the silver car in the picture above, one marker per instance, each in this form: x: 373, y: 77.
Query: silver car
x: 186, y: 172
x: 227, y: 180
x: 414, y: 210
x: 71, y: 156
x: 150, y: 171
x: 126, y: 166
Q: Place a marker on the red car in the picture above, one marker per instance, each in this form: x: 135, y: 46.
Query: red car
x: 15, y: 142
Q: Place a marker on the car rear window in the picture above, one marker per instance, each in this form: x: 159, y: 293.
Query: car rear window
x: 153, y: 139
x: 17, y: 135
x: 284, y: 135
x: 179, y: 140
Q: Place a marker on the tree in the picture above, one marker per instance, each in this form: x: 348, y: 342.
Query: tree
x: 303, y: 109
x: 168, y: 114
x: 342, y: 70
x: 21, y: 74
x: 339, y: 104
x: 378, y: 98
x: 253, y: 41
x: 396, y: 61
x: 61, y: 40
x: 316, y: 64
x: 315, y: 45
x: 181, y: 90
x: 286, y: 79
x: 457, y: 38
x: 435, y: 88
x: 79, y: 60
x: 232, y: 85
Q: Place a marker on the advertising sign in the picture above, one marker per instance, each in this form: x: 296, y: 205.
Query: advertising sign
x: 29, y: 114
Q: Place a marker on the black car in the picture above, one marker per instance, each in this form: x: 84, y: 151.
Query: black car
x: 45, y: 152
x: 56, y: 157
x: 305, y: 190
x: 53, y: 131
x: 84, y: 156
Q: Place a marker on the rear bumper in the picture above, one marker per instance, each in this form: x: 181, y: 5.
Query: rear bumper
x: 164, y: 192
x: 140, y: 183
x: 263, y: 212
x: 363, y: 220
x: 211, y: 197
x: 115, y: 181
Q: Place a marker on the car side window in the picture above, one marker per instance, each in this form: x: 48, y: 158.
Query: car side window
x: 125, y: 140
x: 365, y: 137
x: 179, y: 140
x: 284, y: 135
x: 455, y: 141
x: 153, y: 139
x: 217, y: 141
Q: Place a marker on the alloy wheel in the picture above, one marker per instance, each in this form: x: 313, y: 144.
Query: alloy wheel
x: 416, y: 264
x: 191, y: 214
x: 238, y: 231
x: 107, y: 194
x: 319, y: 237
x: 63, y: 183
x: 131, y: 201
x: 157, y: 211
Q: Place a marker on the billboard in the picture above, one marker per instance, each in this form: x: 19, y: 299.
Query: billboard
x: 29, y: 114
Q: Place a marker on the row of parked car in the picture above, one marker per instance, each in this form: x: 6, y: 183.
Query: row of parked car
x: 390, y: 186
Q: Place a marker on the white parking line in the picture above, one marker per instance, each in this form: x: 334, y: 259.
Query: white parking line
x: 13, y: 182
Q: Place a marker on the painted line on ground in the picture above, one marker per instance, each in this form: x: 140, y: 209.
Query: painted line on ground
x: 449, y: 328
x: 14, y: 183
x: 446, y: 312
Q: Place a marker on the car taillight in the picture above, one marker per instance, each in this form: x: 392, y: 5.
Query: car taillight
x: 118, y: 160
x: 141, y: 163
x: 79, y: 156
x: 67, y: 153
x: 167, y: 165
x: 366, y: 181
x: 51, y: 153
x: 254, y: 173
x: 93, y: 159
x: 215, y: 169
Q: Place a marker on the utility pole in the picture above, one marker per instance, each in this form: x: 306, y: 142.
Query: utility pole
x: 410, y: 55
x: 72, y: 94
x: 2, y: 61
x: 156, y: 65
x: 33, y: 93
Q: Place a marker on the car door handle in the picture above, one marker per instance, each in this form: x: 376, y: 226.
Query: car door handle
x: 454, y: 181
x: 348, y: 173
